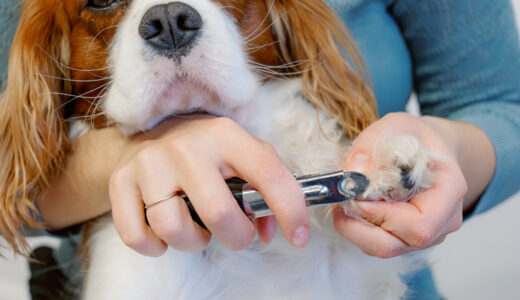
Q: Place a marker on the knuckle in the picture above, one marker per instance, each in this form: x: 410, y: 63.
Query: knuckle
x: 118, y: 177
x: 456, y: 224
x: 268, y: 148
x: 197, y: 247
x: 146, y: 156
x: 386, y: 253
x: 217, y: 216
x: 455, y: 227
x: 270, y: 169
x: 383, y: 250
x: 421, y: 237
x: 181, y: 144
x: 136, y: 241
x: 241, y: 244
x: 394, y: 116
x: 223, y: 125
x: 441, y: 240
x: 228, y: 130
x: 242, y: 238
x: 369, y: 252
x: 461, y: 186
x: 463, y: 189
x: 168, y: 228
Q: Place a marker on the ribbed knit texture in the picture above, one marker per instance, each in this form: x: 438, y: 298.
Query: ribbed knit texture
x: 343, y: 4
x: 466, y: 58
x: 8, y: 20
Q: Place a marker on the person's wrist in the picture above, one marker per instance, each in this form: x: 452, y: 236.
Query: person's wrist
x: 448, y: 131
x: 115, y: 145
x: 104, y: 148
x: 474, y: 154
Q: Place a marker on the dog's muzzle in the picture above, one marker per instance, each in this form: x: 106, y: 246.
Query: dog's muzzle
x: 171, y: 29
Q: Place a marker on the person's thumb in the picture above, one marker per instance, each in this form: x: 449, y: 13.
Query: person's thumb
x: 361, y: 156
x: 358, y: 161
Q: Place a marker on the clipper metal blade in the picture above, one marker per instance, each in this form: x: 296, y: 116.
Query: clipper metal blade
x: 318, y: 189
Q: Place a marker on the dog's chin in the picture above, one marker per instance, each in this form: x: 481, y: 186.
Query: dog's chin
x: 129, y: 130
x: 179, y: 97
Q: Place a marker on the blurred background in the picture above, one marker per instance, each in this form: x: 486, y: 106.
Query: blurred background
x: 480, y: 261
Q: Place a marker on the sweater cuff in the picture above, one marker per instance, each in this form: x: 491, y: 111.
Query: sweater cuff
x: 499, y: 120
x: 339, y: 5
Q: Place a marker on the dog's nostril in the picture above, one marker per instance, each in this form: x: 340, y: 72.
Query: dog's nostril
x: 182, y: 22
x: 170, y: 27
x: 188, y: 22
x: 156, y: 28
x: 150, y: 30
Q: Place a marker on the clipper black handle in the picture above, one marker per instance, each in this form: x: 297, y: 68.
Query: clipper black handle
x: 235, y: 186
x: 318, y: 189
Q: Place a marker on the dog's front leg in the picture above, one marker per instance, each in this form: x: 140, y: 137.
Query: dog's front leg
x: 114, y: 271
x: 402, y: 168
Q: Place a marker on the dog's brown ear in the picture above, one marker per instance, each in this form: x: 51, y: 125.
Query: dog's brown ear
x: 312, y: 40
x: 32, y: 129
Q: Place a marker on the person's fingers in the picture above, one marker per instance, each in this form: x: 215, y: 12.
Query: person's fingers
x: 361, y: 158
x: 156, y: 174
x: 128, y: 215
x: 455, y: 222
x: 170, y: 221
x: 196, y: 170
x: 216, y: 206
x: 371, y: 239
x: 204, y: 184
x: 422, y: 219
x: 261, y: 167
x: 425, y: 217
x: 396, y: 218
x: 441, y: 205
x: 257, y: 163
x: 266, y: 228
x: 438, y: 241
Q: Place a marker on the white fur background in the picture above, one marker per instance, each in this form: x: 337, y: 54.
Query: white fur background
x: 480, y: 261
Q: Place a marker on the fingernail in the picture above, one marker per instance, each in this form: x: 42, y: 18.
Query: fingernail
x: 365, y: 205
x: 352, y: 209
x: 271, y: 229
x: 300, y: 236
x: 358, y: 162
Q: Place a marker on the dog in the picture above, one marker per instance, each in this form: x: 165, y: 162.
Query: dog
x: 275, y: 67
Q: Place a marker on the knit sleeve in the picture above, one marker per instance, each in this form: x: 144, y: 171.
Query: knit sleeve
x: 9, y: 13
x: 466, y: 57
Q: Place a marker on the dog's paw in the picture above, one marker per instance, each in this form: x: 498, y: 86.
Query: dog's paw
x: 402, y: 169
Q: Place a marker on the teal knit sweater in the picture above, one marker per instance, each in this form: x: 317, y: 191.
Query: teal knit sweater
x: 462, y: 58
x: 8, y: 20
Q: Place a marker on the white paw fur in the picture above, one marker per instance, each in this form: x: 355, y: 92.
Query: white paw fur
x: 402, y: 169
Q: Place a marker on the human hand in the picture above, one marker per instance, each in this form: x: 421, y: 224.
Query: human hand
x: 195, y: 155
x: 389, y: 229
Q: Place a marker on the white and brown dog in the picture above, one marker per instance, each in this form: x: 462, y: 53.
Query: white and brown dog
x: 273, y: 66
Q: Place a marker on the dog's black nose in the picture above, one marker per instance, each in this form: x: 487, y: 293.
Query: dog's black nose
x: 171, y: 28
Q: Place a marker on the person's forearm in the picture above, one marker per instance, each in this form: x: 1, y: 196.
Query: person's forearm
x: 80, y: 192
x: 475, y: 154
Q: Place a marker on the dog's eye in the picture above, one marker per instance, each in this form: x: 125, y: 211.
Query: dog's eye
x: 101, y: 4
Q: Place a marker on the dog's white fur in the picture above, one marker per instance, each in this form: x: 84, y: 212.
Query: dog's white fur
x: 148, y: 87
x: 215, y: 77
